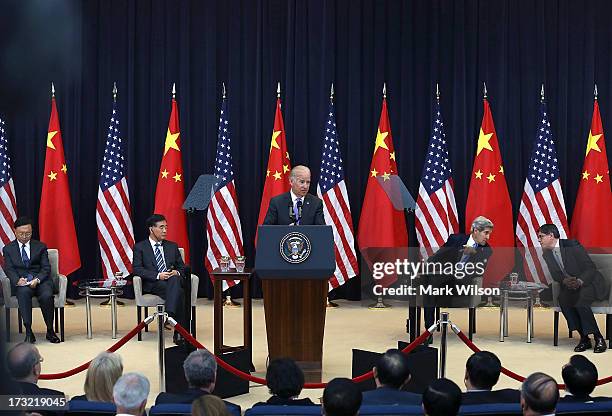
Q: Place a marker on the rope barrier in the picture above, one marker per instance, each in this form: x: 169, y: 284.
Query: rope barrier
x: 262, y: 381
x: 113, y: 348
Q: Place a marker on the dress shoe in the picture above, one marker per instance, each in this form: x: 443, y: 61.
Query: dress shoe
x: 583, y: 345
x: 331, y: 304
x: 30, y: 337
x: 600, y: 345
x: 52, y: 338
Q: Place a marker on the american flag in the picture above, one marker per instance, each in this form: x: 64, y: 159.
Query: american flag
x: 542, y: 201
x: 436, y: 210
x: 113, y: 218
x: 336, y: 208
x: 222, y: 221
x: 8, y: 203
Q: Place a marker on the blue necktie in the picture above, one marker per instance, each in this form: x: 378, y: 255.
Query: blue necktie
x: 24, y: 256
x: 297, y: 210
x: 159, y: 258
x: 467, y: 256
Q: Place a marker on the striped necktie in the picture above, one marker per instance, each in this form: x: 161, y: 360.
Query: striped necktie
x: 159, y: 258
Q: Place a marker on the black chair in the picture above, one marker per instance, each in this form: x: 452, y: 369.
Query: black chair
x: 87, y: 408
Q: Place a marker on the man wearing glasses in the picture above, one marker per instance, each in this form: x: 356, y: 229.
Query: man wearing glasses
x: 26, y: 264
x: 581, y: 284
x: 24, y: 365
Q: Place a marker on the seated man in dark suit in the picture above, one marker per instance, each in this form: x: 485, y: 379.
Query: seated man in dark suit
x: 296, y: 207
x: 341, y: 397
x: 391, y: 374
x: 482, y: 371
x: 539, y: 395
x: 458, y: 250
x: 285, y: 381
x: 581, y: 284
x: 442, y: 398
x: 160, y: 265
x: 26, y: 264
x: 580, y: 378
x: 24, y: 365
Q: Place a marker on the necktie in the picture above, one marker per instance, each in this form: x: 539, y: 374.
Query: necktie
x: 297, y: 210
x: 24, y: 256
x: 159, y: 258
x: 559, y: 260
x: 467, y: 256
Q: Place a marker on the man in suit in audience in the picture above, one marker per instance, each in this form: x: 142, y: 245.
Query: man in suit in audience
x: 581, y: 284
x: 296, y: 207
x: 26, y: 264
x: 160, y: 265
x: 539, y: 395
x: 442, y: 397
x: 130, y: 394
x: 341, y: 397
x: 391, y: 374
x: 482, y: 372
x: 580, y: 378
x: 24, y: 365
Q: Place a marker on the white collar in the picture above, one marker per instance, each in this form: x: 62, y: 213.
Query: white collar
x: 470, y: 241
x: 294, y: 197
x: 153, y: 243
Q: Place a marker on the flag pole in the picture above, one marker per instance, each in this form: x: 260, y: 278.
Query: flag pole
x: 331, y: 92
x: 114, y: 92
x: 278, y: 90
x: 595, y: 92
x: 437, y: 92
x: 484, y: 90
x: 384, y: 90
x: 224, y: 96
x: 173, y: 90
x: 542, y: 93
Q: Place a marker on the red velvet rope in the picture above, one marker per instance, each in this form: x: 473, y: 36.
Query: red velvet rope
x: 262, y: 381
x: 512, y: 374
x: 84, y: 366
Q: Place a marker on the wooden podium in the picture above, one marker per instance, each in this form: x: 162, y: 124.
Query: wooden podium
x: 295, y: 293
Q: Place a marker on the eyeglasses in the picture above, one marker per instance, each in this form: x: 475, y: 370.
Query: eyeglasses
x: 29, y: 234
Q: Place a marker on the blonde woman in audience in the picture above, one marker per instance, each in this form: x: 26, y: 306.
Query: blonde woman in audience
x: 102, y: 374
x: 209, y: 405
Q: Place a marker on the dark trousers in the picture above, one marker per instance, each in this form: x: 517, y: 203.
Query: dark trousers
x: 44, y: 293
x: 171, y: 291
x: 575, y: 306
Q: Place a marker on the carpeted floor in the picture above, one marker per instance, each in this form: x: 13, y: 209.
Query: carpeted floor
x: 350, y: 326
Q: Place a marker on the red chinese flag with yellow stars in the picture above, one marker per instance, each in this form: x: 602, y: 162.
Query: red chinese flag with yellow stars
x: 56, y: 223
x: 279, y: 166
x: 382, y: 227
x: 170, y: 193
x: 592, y: 218
x: 488, y: 196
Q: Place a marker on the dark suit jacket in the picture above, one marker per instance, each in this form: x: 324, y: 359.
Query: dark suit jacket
x: 494, y: 396
x: 279, y: 401
x: 577, y: 263
x: 187, y: 397
x: 281, y: 206
x: 452, y: 251
x: 145, y: 266
x: 39, y: 261
x: 386, y: 395
x: 33, y: 389
x: 573, y: 399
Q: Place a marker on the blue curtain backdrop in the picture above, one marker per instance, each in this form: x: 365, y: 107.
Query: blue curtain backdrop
x: 83, y: 46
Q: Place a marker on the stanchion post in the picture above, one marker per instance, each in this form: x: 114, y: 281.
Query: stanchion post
x: 161, y: 315
x: 444, y: 331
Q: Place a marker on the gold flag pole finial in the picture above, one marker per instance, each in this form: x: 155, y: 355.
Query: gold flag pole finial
x: 384, y: 90
x: 595, y: 91
x: 114, y: 91
x: 437, y: 91
x: 52, y: 90
x: 331, y: 92
x: 542, y: 93
x: 173, y: 90
x: 224, y: 93
x: 278, y: 90
x: 484, y: 90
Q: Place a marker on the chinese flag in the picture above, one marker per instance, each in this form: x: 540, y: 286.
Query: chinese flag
x: 382, y: 227
x: 277, y: 174
x: 488, y: 196
x: 590, y: 223
x: 56, y: 222
x: 170, y: 193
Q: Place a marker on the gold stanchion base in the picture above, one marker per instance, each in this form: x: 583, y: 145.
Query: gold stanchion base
x: 379, y: 305
x: 331, y: 304
x: 230, y: 303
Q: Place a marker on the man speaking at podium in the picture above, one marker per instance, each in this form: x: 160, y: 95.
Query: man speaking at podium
x: 296, y: 207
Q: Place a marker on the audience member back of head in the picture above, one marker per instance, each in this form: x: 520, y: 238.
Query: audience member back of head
x: 482, y: 372
x: 285, y: 381
x: 341, y: 397
x: 391, y: 374
x: 130, y: 394
x: 209, y: 405
x: 442, y: 398
x: 539, y: 395
x: 580, y: 378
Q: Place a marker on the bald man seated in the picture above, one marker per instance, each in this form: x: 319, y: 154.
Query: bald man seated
x: 24, y: 364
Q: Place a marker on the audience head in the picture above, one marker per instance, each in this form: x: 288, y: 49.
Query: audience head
x: 341, y: 397
x: 102, y: 374
x: 158, y: 227
x: 24, y: 362
x: 130, y: 393
x: 23, y: 229
x: 200, y: 370
x: 580, y: 376
x: 209, y: 405
x: 442, y: 398
x: 284, y: 378
x: 392, y: 370
x: 482, y: 371
x: 539, y: 394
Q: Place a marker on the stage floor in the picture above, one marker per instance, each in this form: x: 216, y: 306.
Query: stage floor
x: 350, y: 326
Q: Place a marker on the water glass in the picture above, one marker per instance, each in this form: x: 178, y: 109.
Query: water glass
x: 240, y: 262
x: 224, y: 263
x: 513, y: 279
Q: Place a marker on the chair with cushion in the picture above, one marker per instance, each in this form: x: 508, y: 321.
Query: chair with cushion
x: 87, y: 408
x: 185, y: 409
x: 147, y: 300
x: 60, y: 284
x: 603, y: 262
x: 273, y: 410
